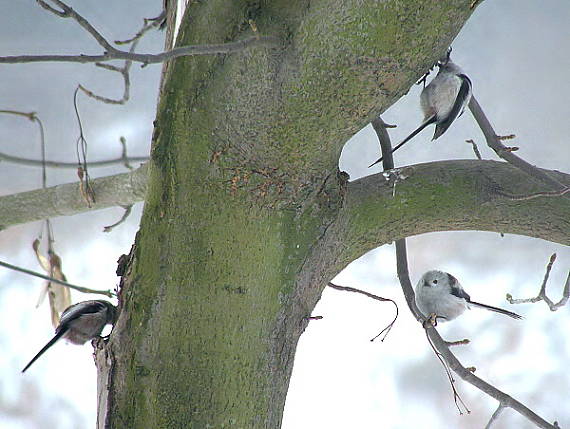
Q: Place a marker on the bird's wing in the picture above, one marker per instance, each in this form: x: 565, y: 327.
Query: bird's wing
x: 461, y: 101
x: 456, y: 289
x: 80, y: 309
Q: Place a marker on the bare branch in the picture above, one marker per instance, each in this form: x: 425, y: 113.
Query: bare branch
x: 148, y: 23
x: 124, y: 156
x: 62, y: 164
x: 387, y: 329
x: 182, y: 51
x: 125, y: 73
x: 120, y: 221
x: 112, y: 53
x: 542, y: 294
x: 495, y: 416
x: 65, y: 200
x: 61, y: 282
x: 439, y: 345
x: 68, y: 12
x: 494, y: 142
x: 32, y: 116
x: 475, y: 148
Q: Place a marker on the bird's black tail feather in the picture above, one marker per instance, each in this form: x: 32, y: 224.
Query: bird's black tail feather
x: 424, y: 124
x: 498, y: 310
x: 47, y: 346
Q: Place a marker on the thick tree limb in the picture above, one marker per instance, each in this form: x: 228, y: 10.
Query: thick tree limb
x: 65, y: 200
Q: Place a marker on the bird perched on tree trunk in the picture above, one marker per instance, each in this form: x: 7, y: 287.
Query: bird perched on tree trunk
x: 80, y: 323
x: 439, y: 293
x: 442, y: 101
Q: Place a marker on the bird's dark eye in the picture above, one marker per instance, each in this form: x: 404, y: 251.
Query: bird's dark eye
x: 435, y: 282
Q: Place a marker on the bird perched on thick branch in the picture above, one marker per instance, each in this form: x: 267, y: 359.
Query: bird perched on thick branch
x: 442, y: 101
x: 80, y: 323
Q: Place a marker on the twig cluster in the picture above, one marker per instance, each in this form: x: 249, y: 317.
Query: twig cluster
x: 111, y: 53
x: 542, y: 293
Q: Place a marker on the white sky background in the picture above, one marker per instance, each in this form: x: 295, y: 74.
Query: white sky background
x: 516, y: 53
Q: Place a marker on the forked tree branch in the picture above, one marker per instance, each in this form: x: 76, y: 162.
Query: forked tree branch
x: 503, y: 152
x: 440, y: 345
x: 542, y: 294
x: 112, y: 53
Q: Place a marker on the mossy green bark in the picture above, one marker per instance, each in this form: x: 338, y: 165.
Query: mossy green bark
x: 242, y: 189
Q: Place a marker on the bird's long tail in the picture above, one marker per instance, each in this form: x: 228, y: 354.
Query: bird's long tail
x: 498, y: 310
x: 424, y: 124
x: 47, y: 346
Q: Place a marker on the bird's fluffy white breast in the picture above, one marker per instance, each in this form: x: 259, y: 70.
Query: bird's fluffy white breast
x: 439, y: 96
x: 431, y: 300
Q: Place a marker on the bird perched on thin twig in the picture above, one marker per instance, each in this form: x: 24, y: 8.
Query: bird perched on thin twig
x: 439, y: 293
x: 442, y: 101
x: 80, y: 323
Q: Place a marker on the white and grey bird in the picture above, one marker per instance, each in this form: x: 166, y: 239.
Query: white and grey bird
x: 441, y: 294
x: 80, y: 323
x: 442, y: 101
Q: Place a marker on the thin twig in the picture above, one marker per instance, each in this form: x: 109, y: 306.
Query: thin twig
x: 112, y: 53
x: 32, y: 116
x: 124, y: 156
x: 542, y: 294
x: 148, y: 23
x: 495, y: 416
x: 124, y: 72
x: 475, y: 148
x: 502, y: 151
x: 456, y: 397
x: 68, y: 12
x: 183, y: 51
x: 81, y: 148
x: 120, y: 221
x: 387, y: 329
x: 62, y: 164
x: 61, y: 282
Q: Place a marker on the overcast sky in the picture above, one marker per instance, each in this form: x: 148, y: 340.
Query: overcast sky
x: 516, y: 53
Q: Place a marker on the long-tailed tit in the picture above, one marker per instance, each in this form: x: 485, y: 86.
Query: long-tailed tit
x: 80, y: 323
x: 442, y: 101
x: 441, y: 294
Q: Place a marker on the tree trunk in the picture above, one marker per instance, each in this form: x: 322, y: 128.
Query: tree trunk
x: 236, y: 239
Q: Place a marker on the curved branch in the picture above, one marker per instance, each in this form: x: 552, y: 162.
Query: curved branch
x: 447, y: 196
